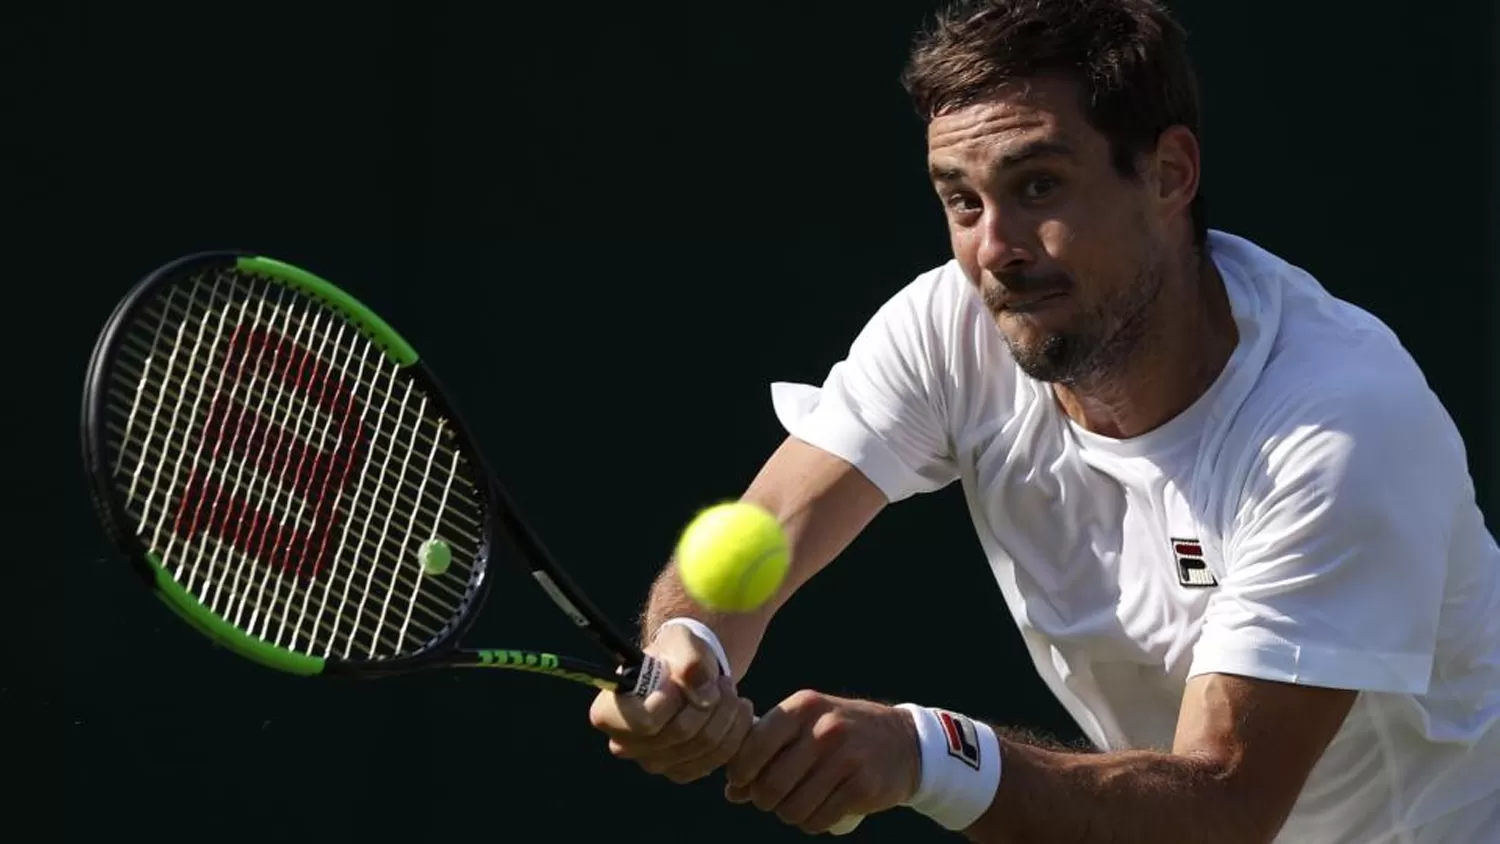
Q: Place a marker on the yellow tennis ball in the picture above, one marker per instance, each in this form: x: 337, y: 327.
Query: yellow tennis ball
x: 732, y: 557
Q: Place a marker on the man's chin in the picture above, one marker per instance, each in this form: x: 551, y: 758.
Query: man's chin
x: 1047, y: 357
x: 1023, y: 334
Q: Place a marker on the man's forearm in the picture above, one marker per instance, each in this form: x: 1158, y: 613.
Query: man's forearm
x: 1131, y: 797
x: 739, y: 633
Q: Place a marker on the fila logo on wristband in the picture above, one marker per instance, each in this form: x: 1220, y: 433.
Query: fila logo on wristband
x: 963, y: 739
x: 960, y: 766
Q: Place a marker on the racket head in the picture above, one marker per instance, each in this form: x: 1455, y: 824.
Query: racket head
x: 242, y: 421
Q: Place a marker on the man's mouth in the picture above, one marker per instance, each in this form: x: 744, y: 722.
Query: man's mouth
x: 1031, y: 302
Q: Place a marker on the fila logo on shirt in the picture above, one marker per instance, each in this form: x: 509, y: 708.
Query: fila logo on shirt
x: 963, y: 739
x: 1192, y: 569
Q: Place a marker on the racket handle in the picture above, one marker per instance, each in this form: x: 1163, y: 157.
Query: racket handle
x: 645, y: 678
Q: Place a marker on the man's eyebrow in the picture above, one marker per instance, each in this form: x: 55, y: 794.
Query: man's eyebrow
x: 1029, y: 152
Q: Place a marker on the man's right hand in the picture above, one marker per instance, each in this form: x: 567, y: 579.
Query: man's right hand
x: 687, y: 728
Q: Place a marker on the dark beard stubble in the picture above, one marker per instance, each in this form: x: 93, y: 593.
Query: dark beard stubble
x: 1107, y: 337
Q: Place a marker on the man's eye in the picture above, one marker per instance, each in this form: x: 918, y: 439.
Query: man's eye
x: 963, y: 202
x: 1040, y: 187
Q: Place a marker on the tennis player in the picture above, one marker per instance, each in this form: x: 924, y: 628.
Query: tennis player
x: 1233, y: 523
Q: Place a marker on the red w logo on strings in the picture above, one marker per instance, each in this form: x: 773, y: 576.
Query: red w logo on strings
x: 287, y: 509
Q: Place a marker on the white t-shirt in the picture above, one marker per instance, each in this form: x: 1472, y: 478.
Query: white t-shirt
x: 1310, y: 519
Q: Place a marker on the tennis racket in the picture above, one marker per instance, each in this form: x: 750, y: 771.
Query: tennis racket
x: 288, y: 477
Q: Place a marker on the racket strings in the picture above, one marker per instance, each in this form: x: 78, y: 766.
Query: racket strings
x: 376, y: 384
x: 465, y: 524
x: 217, y: 581
x: 315, y: 469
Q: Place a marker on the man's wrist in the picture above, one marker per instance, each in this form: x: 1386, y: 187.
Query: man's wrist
x: 959, y: 769
x: 703, y: 632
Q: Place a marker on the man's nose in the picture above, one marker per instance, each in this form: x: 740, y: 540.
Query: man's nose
x: 1001, y: 246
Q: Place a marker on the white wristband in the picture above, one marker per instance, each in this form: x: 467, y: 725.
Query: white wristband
x: 704, y: 632
x: 960, y: 767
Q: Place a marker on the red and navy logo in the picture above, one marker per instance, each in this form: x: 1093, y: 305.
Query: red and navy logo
x: 1192, y: 569
x: 963, y: 739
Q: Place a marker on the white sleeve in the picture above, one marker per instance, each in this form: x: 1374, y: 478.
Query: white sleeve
x: 882, y: 407
x: 1334, y: 572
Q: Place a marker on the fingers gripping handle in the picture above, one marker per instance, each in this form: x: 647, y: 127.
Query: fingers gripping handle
x: 650, y: 676
x: 845, y: 826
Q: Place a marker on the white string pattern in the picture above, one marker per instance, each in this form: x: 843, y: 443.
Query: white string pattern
x: 287, y: 472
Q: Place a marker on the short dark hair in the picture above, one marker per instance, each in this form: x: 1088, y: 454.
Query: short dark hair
x: 1128, y: 57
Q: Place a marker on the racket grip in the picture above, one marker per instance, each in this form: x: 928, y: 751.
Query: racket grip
x: 648, y: 677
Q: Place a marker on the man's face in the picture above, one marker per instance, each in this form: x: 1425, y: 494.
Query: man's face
x: 1063, y: 249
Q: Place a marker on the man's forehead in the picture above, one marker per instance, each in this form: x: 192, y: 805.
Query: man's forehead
x: 1042, y: 112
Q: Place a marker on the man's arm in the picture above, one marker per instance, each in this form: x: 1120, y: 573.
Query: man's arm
x: 1242, y: 753
x: 822, y: 502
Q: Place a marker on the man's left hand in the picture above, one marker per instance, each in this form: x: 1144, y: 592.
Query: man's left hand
x: 815, y: 758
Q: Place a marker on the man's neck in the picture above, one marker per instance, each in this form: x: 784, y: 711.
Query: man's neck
x: 1190, y: 341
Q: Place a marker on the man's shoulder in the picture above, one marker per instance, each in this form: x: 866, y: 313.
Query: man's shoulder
x: 1361, y: 382
x: 1328, y: 395
x: 1335, y: 367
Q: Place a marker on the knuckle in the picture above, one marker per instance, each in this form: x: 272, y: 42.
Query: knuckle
x: 682, y: 651
x: 830, y: 728
x: 804, y: 699
x: 694, y: 668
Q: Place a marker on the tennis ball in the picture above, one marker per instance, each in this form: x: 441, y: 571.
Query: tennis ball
x: 435, y: 556
x: 732, y: 557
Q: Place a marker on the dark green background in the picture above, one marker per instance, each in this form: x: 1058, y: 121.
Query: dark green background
x: 608, y: 232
